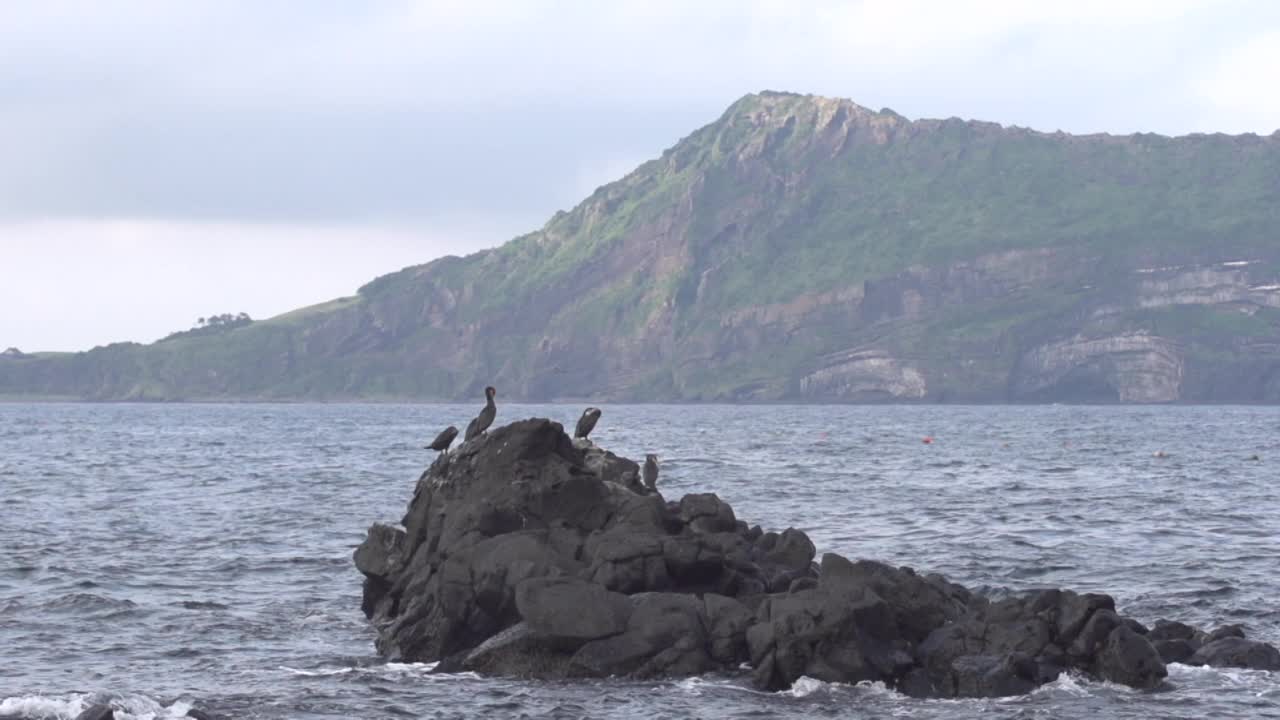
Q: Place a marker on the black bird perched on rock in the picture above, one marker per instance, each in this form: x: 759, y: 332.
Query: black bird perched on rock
x: 486, y: 416
x: 444, y: 439
x: 587, y: 422
x: 651, y: 471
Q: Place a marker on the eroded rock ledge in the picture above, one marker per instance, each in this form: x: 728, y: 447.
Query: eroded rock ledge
x: 524, y: 554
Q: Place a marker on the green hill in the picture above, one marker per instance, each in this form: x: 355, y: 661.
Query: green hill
x: 804, y: 248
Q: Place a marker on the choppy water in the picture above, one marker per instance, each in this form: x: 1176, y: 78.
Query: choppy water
x: 170, y: 556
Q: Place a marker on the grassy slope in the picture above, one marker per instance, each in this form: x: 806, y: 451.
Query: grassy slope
x: 805, y: 220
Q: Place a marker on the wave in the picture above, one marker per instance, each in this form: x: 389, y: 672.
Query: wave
x: 67, y: 707
x: 89, y: 602
x: 202, y: 605
x: 319, y: 672
x: 806, y: 686
x: 697, y: 684
x: 1068, y: 683
x: 391, y: 670
x: 1037, y: 571
x: 1230, y: 676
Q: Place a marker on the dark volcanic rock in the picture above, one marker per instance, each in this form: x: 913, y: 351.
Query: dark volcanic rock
x: 1174, y: 651
x: 1232, y: 651
x: 1136, y: 626
x: 665, y: 636
x: 707, y: 514
x: 838, y: 632
x: 568, y: 608
x: 628, y: 562
x: 526, y: 554
x: 990, y: 676
x: 1170, y: 630
x: 519, y: 651
x: 918, y: 605
x: 97, y: 712
x: 382, y: 554
x: 610, y: 467
x: 727, y: 621
x: 1226, y: 631
x: 1130, y: 660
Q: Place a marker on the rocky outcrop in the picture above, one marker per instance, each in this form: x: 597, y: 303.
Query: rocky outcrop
x: 864, y: 375
x: 1220, y: 284
x: 1237, y: 652
x: 527, y: 554
x: 1135, y: 367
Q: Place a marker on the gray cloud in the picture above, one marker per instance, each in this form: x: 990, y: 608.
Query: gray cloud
x: 329, y: 165
x: 292, y: 111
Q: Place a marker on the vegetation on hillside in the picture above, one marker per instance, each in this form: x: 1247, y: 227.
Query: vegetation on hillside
x: 775, y: 243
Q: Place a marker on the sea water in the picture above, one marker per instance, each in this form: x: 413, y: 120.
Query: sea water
x: 164, y: 557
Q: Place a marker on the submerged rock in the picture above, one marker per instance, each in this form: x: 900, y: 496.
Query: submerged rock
x: 1235, y: 651
x: 526, y: 554
x: 97, y: 712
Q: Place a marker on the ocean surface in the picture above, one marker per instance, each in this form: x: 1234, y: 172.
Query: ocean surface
x: 163, y: 557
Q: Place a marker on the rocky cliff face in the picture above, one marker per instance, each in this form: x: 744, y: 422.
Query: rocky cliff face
x: 806, y: 248
x: 1133, y: 367
x: 525, y: 553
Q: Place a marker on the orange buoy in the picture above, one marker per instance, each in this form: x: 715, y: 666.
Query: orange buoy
x: 928, y: 440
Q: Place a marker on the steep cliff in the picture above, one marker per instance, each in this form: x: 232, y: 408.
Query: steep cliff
x: 805, y: 248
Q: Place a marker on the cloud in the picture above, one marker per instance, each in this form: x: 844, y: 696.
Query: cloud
x: 1242, y: 84
x: 85, y: 283
x: 399, y: 111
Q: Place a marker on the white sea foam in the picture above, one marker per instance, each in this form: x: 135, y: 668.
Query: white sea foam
x: 695, y: 685
x: 391, y: 670
x: 868, y: 688
x: 692, y: 685
x: 806, y: 686
x: 1229, y: 676
x: 67, y: 707
x: 413, y: 667
x: 40, y: 706
x: 322, y: 672
x: 1067, y: 683
x: 1178, y: 670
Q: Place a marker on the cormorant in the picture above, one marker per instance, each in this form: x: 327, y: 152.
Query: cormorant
x: 444, y: 439
x: 651, y: 471
x: 486, y: 416
x: 587, y: 422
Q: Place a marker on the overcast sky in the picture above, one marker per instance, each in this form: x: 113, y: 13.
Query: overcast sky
x: 162, y: 160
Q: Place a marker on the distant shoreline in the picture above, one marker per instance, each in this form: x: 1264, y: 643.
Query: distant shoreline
x: 59, y: 400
